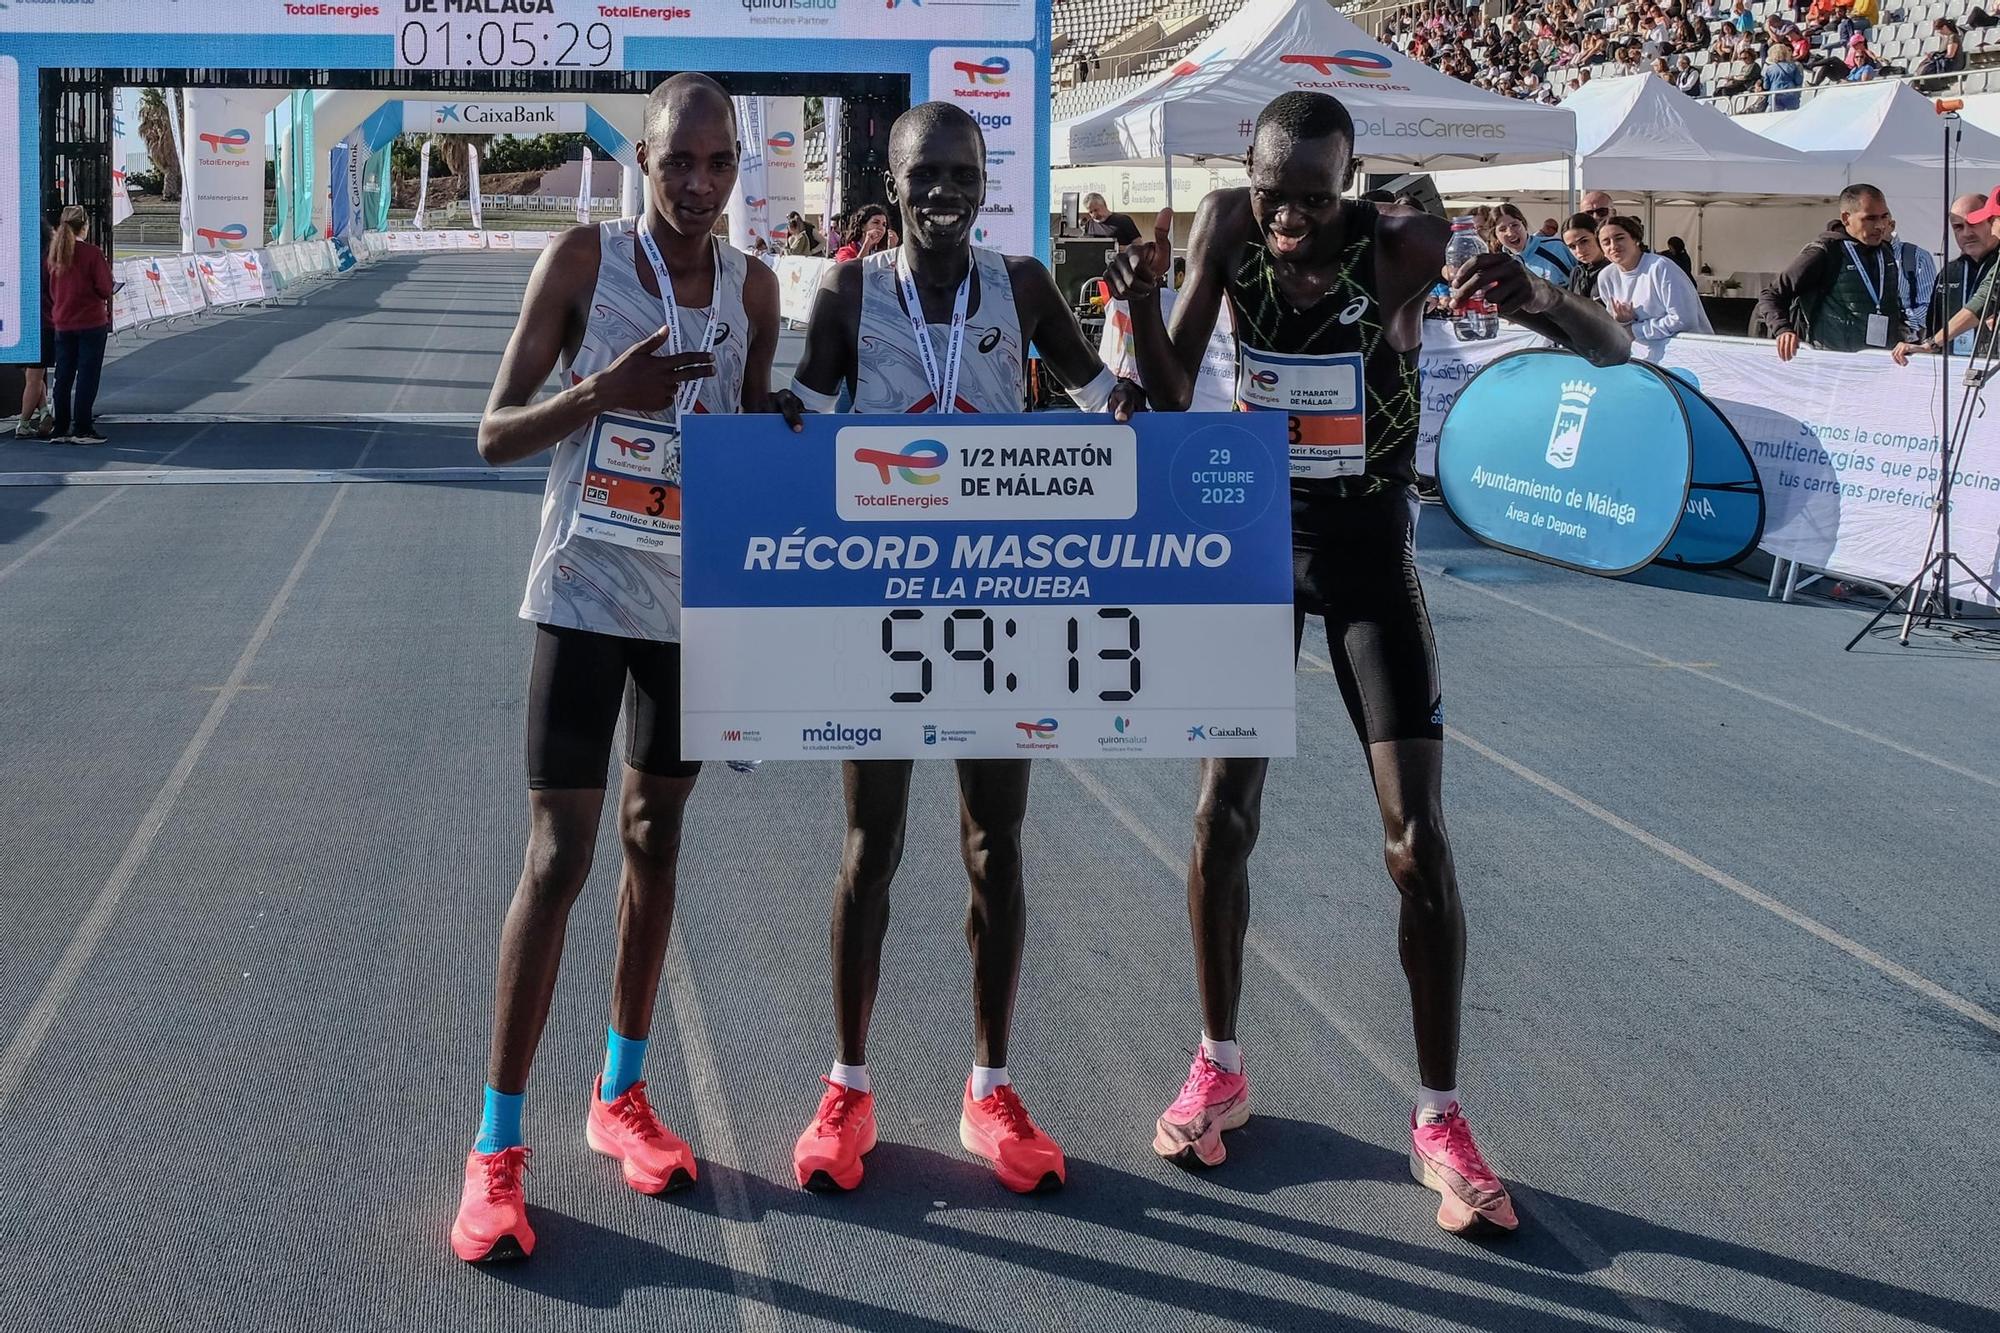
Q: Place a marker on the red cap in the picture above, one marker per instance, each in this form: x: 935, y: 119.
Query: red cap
x: 1988, y: 213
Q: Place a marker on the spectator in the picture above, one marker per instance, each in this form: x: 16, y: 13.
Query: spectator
x: 1745, y: 76
x: 1916, y: 274
x: 1581, y: 238
x: 1741, y: 19
x: 1686, y: 77
x: 1949, y: 58
x: 1839, y: 295
x: 1860, y: 18
x: 1647, y: 293
x: 869, y: 232
x: 1824, y: 13
x: 1969, y: 282
x: 1677, y: 251
x: 1104, y: 222
x: 79, y: 283
x: 1783, y: 77
x: 38, y: 420
x: 1977, y: 254
x: 1552, y: 229
x: 801, y: 237
x: 1544, y: 257
x: 1862, y: 63
x: 1979, y: 18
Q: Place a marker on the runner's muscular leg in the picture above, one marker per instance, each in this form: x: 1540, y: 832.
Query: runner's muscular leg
x: 1226, y: 818
x: 1409, y: 780
x: 562, y: 838
x: 649, y: 825
x: 993, y: 802
x: 878, y: 799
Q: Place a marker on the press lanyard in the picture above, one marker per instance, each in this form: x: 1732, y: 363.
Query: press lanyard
x: 684, y: 396
x: 1881, y: 275
x: 944, y: 387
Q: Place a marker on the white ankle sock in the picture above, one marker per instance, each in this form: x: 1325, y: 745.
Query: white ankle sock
x: 1224, y: 1053
x: 1432, y: 1104
x: 850, y: 1076
x: 984, y: 1080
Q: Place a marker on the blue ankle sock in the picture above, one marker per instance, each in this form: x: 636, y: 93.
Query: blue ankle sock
x: 623, y: 1059
x: 500, y: 1123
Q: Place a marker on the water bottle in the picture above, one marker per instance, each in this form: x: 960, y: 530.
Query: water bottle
x: 1475, y: 319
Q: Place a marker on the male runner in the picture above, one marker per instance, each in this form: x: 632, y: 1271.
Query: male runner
x: 605, y: 588
x: 1327, y: 294
x: 936, y: 326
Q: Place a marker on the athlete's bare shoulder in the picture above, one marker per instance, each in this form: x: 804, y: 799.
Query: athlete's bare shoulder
x: 1412, y: 251
x: 1222, y: 224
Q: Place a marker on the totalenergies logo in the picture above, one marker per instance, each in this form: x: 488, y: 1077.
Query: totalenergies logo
x: 1264, y: 379
x: 235, y: 143
x: 909, y: 462
x: 991, y: 71
x: 895, y: 4
x: 221, y: 238
x: 1363, y: 64
x: 782, y: 143
x: 1036, y: 731
x: 639, y: 447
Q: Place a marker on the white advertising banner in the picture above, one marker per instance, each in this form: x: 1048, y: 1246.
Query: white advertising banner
x: 224, y: 169
x: 1845, y: 445
x: 798, y: 279
x: 423, y: 185
x: 784, y: 164
x: 472, y: 187
x: 749, y: 204
x: 835, y: 140
x: 999, y: 88
x: 1214, y: 384
x: 583, y: 191
x: 531, y: 240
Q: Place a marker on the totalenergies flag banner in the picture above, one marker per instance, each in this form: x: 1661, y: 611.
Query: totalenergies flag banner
x: 224, y: 176
x: 750, y: 203
x: 784, y: 164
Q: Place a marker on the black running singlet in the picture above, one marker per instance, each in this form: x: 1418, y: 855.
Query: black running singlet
x: 1354, y: 401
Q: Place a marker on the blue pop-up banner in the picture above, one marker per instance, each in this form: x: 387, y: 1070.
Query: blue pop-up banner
x: 1600, y: 469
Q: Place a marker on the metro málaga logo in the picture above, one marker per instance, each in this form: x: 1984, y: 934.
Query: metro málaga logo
x: 1362, y: 64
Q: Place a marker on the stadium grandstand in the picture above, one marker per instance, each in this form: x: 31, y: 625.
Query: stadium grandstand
x: 1722, y: 51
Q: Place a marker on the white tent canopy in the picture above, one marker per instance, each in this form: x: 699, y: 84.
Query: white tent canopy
x: 1889, y: 135
x: 1638, y: 136
x: 1404, y: 111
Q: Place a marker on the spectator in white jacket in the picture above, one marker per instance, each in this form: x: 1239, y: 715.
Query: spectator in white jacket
x: 1648, y: 293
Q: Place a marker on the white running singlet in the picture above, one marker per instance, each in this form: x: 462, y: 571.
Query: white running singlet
x: 889, y: 375
x: 580, y: 582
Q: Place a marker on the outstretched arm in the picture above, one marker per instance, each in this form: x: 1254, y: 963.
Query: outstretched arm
x: 832, y: 331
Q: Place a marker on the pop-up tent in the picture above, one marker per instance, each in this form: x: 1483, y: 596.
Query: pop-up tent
x: 1404, y: 112
x: 1891, y: 136
x: 1638, y: 137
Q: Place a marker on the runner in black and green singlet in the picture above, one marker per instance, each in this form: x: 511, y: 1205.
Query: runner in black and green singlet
x: 1327, y: 297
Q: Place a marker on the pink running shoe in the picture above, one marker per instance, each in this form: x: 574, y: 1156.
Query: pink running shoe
x: 492, y: 1222
x: 1444, y: 1158
x: 1211, y: 1101
x: 653, y: 1156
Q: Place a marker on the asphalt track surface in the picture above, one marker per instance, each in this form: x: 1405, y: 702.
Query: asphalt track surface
x: 1730, y: 1014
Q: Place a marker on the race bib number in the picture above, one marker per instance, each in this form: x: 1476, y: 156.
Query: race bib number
x: 1321, y: 396
x: 632, y: 484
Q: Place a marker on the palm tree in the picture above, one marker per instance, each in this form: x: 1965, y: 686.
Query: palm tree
x: 452, y: 148
x: 157, y: 130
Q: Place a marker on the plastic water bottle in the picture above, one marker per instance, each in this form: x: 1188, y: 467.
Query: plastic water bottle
x: 1475, y: 319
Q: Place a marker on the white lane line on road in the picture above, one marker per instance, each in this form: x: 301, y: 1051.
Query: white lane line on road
x: 1644, y: 1305
x: 90, y: 932
x: 1861, y: 953
x: 53, y: 537
x: 742, y: 1240
x: 1700, y: 669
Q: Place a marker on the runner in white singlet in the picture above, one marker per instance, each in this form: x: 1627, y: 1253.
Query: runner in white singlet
x: 650, y: 319
x: 936, y: 325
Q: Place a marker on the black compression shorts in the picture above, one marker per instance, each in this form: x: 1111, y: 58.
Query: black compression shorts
x: 575, y: 688
x: 1354, y: 562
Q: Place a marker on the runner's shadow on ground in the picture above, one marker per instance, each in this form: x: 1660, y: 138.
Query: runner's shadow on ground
x: 1180, y: 1212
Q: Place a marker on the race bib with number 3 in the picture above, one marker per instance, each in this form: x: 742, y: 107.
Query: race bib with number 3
x: 632, y: 484
x: 1322, y: 395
